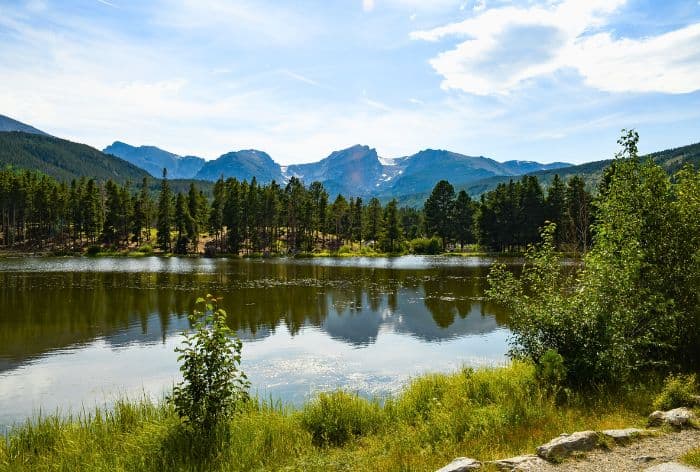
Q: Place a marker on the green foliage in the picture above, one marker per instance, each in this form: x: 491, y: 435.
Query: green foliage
x: 679, y: 390
x: 146, y: 249
x: 692, y: 458
x: 425, y: 246
x: 213, y: 386
x: 634, y: 305
x: 491, y: 413
x: 550, y: 369
x: 337, y: 417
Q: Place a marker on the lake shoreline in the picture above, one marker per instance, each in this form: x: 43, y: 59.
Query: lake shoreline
x: 487, y: 413
x: 11, y: 254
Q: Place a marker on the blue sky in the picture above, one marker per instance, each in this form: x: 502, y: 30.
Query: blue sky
x: 540, y: 80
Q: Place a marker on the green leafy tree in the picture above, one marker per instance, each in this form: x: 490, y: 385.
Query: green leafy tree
x: 634, y: 305
x: 213, y: 386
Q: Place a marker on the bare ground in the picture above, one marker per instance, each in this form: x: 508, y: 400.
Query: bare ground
x: 639, y: 455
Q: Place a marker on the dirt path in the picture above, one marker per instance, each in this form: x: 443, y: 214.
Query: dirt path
x: 639, y: 455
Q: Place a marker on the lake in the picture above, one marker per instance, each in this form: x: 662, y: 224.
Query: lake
x: 80, y: 332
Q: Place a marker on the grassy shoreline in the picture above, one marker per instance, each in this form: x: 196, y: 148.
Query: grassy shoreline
x: 487, y: 414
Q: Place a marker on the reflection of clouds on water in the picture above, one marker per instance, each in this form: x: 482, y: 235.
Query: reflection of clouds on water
x: 74, y: 331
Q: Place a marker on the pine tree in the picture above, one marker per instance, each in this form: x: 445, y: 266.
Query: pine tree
x: 392, y: 230
x: 165, y: 214
x: 556, y: 208
x: 439, y: 212
x: 92, y: 214
x: 578, y: 213
x: 142, y: 205
x: 464, y: 219
x: 374, y: 226
x: 183, y: 224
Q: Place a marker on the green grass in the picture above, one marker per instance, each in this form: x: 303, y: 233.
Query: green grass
x: 485, y: 414
x: 692, y: 458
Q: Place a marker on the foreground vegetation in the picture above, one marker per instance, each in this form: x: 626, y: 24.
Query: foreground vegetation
x: 488, y: 414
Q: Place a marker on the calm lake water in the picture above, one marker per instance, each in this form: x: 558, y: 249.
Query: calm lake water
x: 78, y: 332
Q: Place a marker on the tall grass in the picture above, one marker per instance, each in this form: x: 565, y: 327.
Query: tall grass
x: 486, y: 414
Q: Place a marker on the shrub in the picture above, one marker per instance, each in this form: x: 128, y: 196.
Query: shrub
x: 425, y: 245
x: 213, y: 386
x: 679, y: 390
x: 634, y: 306
x: 550, y: 369
x: 335, y: 418
x: 146, y: 249
x: 93, y: 250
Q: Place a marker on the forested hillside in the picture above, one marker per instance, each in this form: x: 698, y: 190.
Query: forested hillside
x: 670, y: 160
x: 63, y: 160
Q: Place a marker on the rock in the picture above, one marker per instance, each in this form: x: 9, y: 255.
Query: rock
x: 461, y: 464
x: 679, y: 417
x: 525, y: 463
x: 623, y: 436
x: 644, y: 459
x: 559, y: 448
x: 671, y: 467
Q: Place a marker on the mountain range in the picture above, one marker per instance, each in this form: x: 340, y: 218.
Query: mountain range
x: 153, y: 160
x: 355, y: 171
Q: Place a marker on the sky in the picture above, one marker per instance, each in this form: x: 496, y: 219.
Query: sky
x: 545, y: 80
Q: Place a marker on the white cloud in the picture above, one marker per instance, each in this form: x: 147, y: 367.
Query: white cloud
x: 668, y: 63
x: 507, y: 47
x: 368, y: 5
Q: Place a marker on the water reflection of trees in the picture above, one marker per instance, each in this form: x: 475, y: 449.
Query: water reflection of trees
x: 44, y: 311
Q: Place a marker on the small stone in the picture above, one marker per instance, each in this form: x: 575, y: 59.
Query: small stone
x: 671, y: 467
x: 563, y: 446
x: 644, y: 459
x: 622, y: 436
x: 524, y: 463
x: 461, y: 464
x: 679, y: 417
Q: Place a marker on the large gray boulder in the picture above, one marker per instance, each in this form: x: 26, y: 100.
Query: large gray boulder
x: 524, y: 463
x: 561, y: 447
x: 461, y: 464
x: 623, y: 436
x: 678, y: 417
